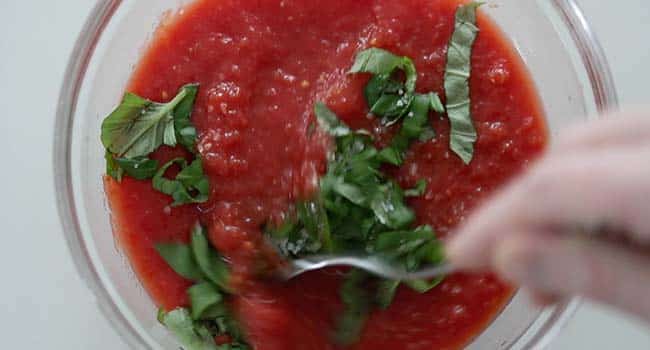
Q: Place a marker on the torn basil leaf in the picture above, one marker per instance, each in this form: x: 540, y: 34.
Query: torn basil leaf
x: 386, y: 290
x: 210, y: 263
x: 185, y: 131
x: 203, y: 296
x: 139, y: 168
x: 419, y: 189
x: 138, y: 126
x: 415, y: 126
x: 387, y: 96
x: 423, y: 286
x: 389, y: 207
x: 329, y: 122
x: 457, y: 73
x: 435, y: 103
x: 191, y: 185
x: 192, y: 335
x: 307, y: 233
x: 112, y: 167
x: 181, y: 259
x: 356, y: 301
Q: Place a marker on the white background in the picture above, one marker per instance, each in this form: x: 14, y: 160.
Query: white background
x: 45, y: 305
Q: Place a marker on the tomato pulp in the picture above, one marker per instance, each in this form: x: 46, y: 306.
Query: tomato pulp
x: 261, y: 66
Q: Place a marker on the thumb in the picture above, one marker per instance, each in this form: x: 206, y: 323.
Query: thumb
x: 570, y: 265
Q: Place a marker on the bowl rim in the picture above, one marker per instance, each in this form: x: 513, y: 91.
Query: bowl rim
x: 588, y: 47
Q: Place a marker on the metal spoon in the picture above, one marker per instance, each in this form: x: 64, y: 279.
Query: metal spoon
x: 373, y: 265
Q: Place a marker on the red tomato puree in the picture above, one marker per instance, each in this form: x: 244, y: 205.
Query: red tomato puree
x: 261, y: 66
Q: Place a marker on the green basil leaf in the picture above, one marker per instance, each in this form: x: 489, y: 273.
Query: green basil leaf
x: 386, y: 96
x: 193, y: 178
x: 112, y: 168
x: 185, y: 131
x: 435, y: 103
x: 415, y: 127
x: 329, y: 122
x: 388, y: 205
x: 180, y: 258
x: 203, y: 296
x: 161, y: 315
x: 419, y: 189
x: 208, y: 260
x: 190, y: 185
x: 423, y: 286
x: 313, y: 216
x: 215, y: 311
x: 139, y: 168
x: 192, y: 335
x: 378, y: 61
x: 227, y: 324
x: 409, y: 249
x: 357, y: 307
x: 391, y: 155
x: 457, y: 74
x: 138, y: 126
x: 380, y: 84
x: 375, y: 61
x: 351, y: 192
x: 417, y: 118
x: 386, y: 290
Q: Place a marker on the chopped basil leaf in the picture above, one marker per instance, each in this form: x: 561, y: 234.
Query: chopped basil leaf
x: 307, y: 233
x: 112, y: 168
x: 329, y: 122
x: 387, y: 97
x: 435, y: 103
x: 457, y: 74
x: 419, y: 189
x: 185, y: 130
x: 203, y: 296
x: 389, y: 207
x: 378, y: 61
x: 161, y: 315
x: 313, y: 216
x: 391, y: 155
x: 139, y: 168
x: 181, y: 259
x: 357, y: 307
x: 208, y: 260
x: 228, y: 325
x: 209, y: 315
x: 386, y: 290
x: 215, y: 311
x: 422, y: 286
x: 192, y: 335
x: 138, y: 126
x: 415, y: 127
x: 190, y: 185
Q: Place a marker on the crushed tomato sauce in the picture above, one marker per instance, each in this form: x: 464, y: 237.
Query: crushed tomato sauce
x: 261, y: 66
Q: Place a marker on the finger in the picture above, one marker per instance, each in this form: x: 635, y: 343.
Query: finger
x: 561, y: 193
x: 544, y: 299
x: 621, y: 129
x: 560, y: 265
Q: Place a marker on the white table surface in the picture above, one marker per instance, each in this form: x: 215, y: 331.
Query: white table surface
x: 45, y: 305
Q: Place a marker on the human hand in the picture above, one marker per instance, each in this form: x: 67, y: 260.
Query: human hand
x: 577, y: 223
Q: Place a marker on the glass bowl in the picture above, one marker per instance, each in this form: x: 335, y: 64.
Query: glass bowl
x: 553, y: 37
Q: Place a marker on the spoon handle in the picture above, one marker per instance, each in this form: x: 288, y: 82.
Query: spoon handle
x: 373, y: 265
